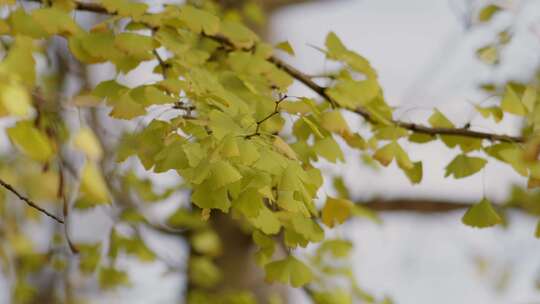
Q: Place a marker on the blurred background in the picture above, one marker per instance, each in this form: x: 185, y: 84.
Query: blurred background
x: 426, y: 55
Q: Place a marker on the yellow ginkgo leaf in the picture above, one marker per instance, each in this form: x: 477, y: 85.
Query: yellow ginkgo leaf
x: 87, y: 142
x: 286, y: 47
x: 31, y: 141
x: 463, y: 166
x: 93, y: 186
x: 481, y: 215
x: 14, y: 100
x: 511, y: 102
x: 284, y: 148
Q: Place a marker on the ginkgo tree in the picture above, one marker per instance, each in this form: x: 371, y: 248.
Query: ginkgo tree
x: 246, y: 153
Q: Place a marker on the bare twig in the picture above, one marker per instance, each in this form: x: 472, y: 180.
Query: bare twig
x: 260, y: 122
x: 29, y: 202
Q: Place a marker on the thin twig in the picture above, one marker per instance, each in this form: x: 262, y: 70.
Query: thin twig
x: 260, y: 122
x: 29, y: 202
x: 164, y: 65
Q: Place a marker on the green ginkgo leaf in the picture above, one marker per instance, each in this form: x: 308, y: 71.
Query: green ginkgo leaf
x: 438, y: 120
x: 93, y: 186
x: 329, y: 149
x: 336, y: 50
x: 333, y: 121
x: 487, y: 12
x: 495, y: 112
x: 391, y: 151
x: 266, y: 221
x: 289, y: 271
x: 55, y: 21
x: 125, y: 7
x: 488, y: 54
x: 462, y: 166
x: 286, y: 47
x: 283, y: 147
x: 240, y: 35
x: 110, y: 278
x: 481, y: 215
x: 14, y: 100
x: 86, y: 141
x: 135, y: 45
x: 199, y: 20
x: 336, y: 211
x: 266, y: 246
x: 414, y: 173
x: 31, y: 141
x: 511, y: 102
x: 223, y: 173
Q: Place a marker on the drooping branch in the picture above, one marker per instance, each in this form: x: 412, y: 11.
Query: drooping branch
x: 29, y: 202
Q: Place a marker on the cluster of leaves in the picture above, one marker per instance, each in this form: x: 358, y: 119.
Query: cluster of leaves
x: 228, y: 140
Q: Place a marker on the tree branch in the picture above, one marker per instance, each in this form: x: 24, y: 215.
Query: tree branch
x: 29, y: 202
x: 84, y: 6
x: 427, y: 206
x: 306, y: 80
x: 320, y: 90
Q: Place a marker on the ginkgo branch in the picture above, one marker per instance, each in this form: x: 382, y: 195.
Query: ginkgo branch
x: 29, y: 202
x: 164, y: 65
x: 418, y: 128
x: 320, y: 90
x: 416, y: 205
x: 260, y: 122
x: 84, y: 6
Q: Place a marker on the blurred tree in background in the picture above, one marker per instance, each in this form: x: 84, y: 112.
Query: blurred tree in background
x: 209, y: 149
